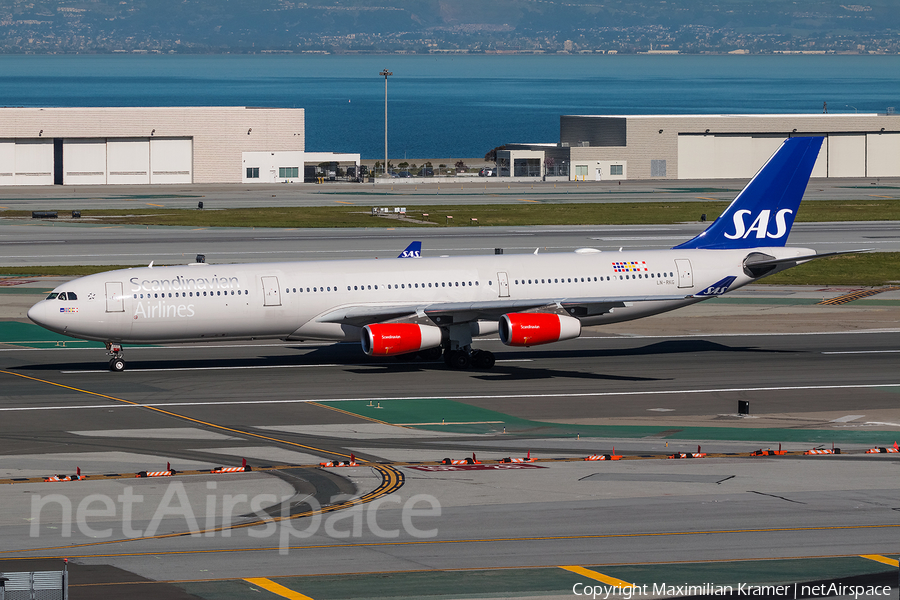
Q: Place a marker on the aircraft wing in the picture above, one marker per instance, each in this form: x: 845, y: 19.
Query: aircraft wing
x: 461, y: 312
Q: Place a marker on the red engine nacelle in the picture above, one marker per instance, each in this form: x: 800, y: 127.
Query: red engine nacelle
x: 532, y: 329
x: 389, y: 339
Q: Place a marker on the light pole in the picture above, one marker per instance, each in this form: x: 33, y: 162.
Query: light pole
x: 385, y: 73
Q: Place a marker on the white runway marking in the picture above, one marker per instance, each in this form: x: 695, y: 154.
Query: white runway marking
x: 847, y: 419
x: 469, y: 397
x: 223, y: 368
x: 863, y: 352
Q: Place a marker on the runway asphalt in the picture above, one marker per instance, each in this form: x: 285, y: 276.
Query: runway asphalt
x: 814, y: 375
x: 299, y: 404
x: 25, y: 243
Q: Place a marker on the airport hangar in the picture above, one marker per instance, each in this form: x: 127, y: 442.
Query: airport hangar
x: 158, y: 145
x: 647, y: 147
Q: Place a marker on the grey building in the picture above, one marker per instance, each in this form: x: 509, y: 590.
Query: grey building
x: 725, y: 146
x: 622, y: 147
x: 72, y: 146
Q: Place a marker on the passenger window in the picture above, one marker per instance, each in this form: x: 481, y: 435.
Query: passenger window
x: 376, y: 287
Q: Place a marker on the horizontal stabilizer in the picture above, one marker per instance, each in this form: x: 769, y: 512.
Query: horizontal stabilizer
x: 758, y: 264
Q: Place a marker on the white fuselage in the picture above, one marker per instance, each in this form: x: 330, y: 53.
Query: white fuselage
x: 284, y: 300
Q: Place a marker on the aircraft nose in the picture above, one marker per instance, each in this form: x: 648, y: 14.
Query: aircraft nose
x: 36, y: 312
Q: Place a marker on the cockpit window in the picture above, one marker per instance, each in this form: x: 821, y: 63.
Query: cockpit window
x: 72, y: 296
x: 52, y: 296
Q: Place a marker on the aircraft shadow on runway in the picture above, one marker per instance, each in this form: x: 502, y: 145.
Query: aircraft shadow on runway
x: 351, y: 356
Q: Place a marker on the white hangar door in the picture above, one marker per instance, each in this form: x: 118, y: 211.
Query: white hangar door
x: 171, y: 160
x: 883, y: 155
x: 84, y: 162
x: 33, y: 162
x: 847, y: 155
x: 724, y: 156
x: 128, y: 160
x: 7, y: 162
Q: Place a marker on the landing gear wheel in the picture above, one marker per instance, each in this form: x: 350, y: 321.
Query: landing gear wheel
x: 431, y: 353
x: 482, y: 359
x: 117, y: 364
x: 459, y: 359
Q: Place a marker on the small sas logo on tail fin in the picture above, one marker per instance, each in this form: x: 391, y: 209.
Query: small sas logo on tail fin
x: 718, y: 288
x: 414, y: 250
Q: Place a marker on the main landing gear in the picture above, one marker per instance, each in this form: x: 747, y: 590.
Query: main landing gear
x: 117, y: 362
x: 465, y: 358
x: 458, y: 351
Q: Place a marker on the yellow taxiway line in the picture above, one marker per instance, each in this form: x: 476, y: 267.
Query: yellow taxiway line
x: 277, y: 589
x: 881, y: 559
x: 597, y: 576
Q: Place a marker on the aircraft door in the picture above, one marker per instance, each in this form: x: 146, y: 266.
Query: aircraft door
x: 503, y: 280
x: 115, y: 301
x: 271, y: 291
x: 685, y: 273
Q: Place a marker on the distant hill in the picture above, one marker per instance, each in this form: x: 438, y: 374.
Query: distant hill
x: 424, y: 26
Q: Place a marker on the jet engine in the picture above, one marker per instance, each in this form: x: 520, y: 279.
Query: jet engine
x: 533, y: 329
x: 389, y: 339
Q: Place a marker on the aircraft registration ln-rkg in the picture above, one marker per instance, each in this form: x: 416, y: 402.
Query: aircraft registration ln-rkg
x: 436, y: 306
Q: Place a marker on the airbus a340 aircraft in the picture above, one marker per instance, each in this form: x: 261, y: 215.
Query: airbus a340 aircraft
x: 438, y: 305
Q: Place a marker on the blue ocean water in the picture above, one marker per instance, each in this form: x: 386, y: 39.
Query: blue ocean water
x: 455, y: 106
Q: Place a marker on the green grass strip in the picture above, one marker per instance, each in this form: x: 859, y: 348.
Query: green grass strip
x: 462, y: 418
x: 537, y: 212
x: 28, y: 335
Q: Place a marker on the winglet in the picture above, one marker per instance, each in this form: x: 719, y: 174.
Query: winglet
x: 414, y: 250
x: 764, y: 211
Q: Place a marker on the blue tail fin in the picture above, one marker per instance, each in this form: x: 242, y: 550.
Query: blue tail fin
x: 414, y: 250
x: 764, y: 211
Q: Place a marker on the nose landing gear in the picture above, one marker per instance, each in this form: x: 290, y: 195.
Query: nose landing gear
x: 117, y: 362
